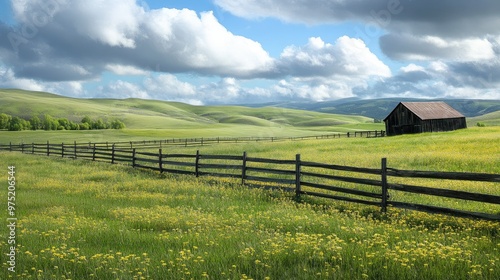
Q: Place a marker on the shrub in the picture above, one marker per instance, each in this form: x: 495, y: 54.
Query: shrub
x: 117, y: 124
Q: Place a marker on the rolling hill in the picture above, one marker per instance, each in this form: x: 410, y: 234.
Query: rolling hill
x: 331, y: 116
x: 152, y: 114
x: 380, y: 108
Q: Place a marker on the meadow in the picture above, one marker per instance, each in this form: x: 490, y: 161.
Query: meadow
x: 89, y: 220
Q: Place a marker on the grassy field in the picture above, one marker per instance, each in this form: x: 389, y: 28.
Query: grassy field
x: 87, y: 220
x: 153, y: 114
x: 490, y: 119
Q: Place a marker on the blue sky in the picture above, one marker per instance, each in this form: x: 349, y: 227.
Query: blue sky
x: 242, y: 51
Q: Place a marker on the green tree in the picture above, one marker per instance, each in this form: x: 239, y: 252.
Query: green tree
x: 87, y: 120
x: 84, y: 126
x: 4, y: 121
x: 117, y: 124
x: 49, y: 123
x: 99, y: 124
x: 35, y: 123
x: 73, y: 126
x: 63, y: 124
x: 18, y: 124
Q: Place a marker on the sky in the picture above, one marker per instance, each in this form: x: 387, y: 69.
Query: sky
x: 205, y: 52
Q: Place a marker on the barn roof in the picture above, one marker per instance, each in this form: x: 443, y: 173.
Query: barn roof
x: 432, y: 110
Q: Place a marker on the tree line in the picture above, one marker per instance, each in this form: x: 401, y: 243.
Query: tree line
x: 48, y: 122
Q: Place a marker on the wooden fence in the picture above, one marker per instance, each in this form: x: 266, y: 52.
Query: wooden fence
x: 185, y: 142
x: 368, y: 186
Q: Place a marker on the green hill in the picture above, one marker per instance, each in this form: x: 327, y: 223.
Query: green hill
x: 153, y: 114
x: 380, y: 108
x: 490, y: 119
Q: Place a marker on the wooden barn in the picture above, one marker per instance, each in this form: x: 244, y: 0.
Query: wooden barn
x: 417, y: 117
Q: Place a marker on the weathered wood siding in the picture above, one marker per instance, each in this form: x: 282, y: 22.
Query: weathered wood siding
x: 403, y: 121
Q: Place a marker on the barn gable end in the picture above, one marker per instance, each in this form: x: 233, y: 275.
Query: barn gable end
x: 417, y: 117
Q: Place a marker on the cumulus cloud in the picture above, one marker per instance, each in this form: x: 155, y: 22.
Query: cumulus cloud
x: 122, y: 36
x: 347, y: 56
x: 122, y: 89
x: 120, y: 69
x: 113, y: 22
x: 409, y: 47
x: 451, y: 47
x: 446, y: 17
x: 8, y: 79
x: 439, y: 80
x: 417, y: 30
x: 167, y: 86
x: 312, y: 90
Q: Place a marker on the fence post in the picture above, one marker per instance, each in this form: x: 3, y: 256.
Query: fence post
x: 384, y: 185
x: 297, y: 176
x: 244, y: 168
x: 75, y: 149
x: 197, y: 164
x: 133, y: 158
x: 113, y: 154
x: 48, y: 148
x: 93, y: 153
x: 62, y: 149
x: 33, y: 148
x: 10, y: 145
x: 160, y: 158
x: 22, y: 148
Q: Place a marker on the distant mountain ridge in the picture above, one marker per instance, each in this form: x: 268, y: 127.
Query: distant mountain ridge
x: 155, y: 114
x: 380, y: 108
x: 152, y: 114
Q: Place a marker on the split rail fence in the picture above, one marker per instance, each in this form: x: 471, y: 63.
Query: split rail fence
x: 190, y: 142
x: 369, y: 186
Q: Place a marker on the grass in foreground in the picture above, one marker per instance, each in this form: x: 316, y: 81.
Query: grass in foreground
x: 85, y: 220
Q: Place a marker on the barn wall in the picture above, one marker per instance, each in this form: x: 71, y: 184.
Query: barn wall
x: 443, y: 125
x: 403, y: 121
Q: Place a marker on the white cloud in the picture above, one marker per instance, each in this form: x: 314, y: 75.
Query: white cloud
x: 112, y: 22
x: 438, y: 66
x: 167, y: 86
x: 347, y: 57
x: 439, y: 79
x: 9, y: 80
x: 303, y: 11
x: 125, y: 69
x: 122, y: 36
x: 410, y: 47
x: 121, y: 89
x: 312, y: 90
x: 203, y: 43
x: 412, y: 68
x: 452, y: 50
x: 459, y: 18
x: 73, y: 89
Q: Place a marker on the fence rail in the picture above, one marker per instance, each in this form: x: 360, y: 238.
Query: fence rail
x: 152, y: 144
x: 368, y: 186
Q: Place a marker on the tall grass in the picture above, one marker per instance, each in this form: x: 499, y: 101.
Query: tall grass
x: 88, y: 220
